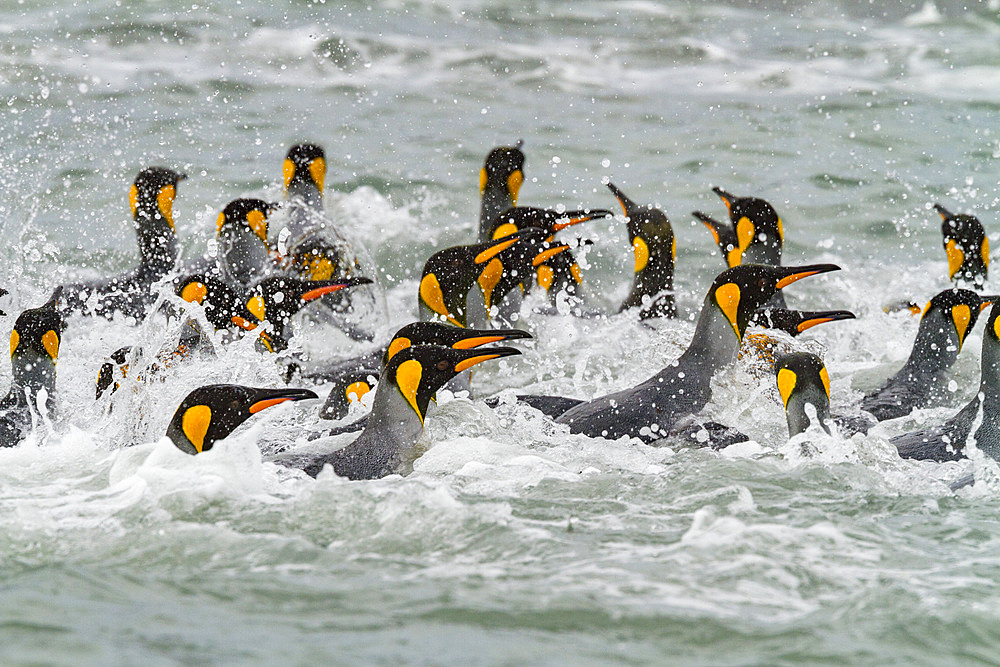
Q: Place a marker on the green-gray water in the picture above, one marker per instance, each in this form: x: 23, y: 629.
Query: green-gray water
x: 513, y: 541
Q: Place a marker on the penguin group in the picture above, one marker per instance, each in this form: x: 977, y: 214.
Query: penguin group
x: 471, y: 307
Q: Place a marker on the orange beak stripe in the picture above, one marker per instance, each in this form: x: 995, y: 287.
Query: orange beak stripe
x: 788, y: 280
x: 476, y: 341
x: 494, y: 250
x: 472, y: 361
x: 243, y: 324
x: 808, y: 324
x: 263, y: 405
x: 559, y: 226
x: 546, y: 255
x: 314, y: 294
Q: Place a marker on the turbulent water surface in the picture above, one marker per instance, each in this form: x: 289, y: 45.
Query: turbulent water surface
x: 512, y: 541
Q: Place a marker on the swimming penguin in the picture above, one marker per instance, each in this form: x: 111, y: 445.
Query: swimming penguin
x: 655, y: 250
x: 212, y: 412
x: 243, y: 254
x: 278, y: 298
x: 650, y: 409
x: 500, y: 181
x: 225, y: 308
x: 794, y: 322
x: 449, y: 275
x: 34, y: 350
x: 922, y: 381
x: 803, y: 380
x: 561, y: 273
x: 151, y: 199
x: 354, y: 375
x: 756, y: 234
x: 948, y: 441
x: 405, y: 389
x: 966, y: 246
x: 314, y: 248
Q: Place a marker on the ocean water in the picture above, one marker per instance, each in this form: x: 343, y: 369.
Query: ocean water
x: 512, y: 541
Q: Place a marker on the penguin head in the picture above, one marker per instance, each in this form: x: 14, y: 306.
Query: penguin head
x: 552, y: 220
x: 152, y: 195
x: 503, y: 171
x: 34, y: 346
x: 794, y: 322
x: 449, y: 274
x: 219, y: 300
x: 418, y: 372
x: 953, y: 311
x: 802, y: 379
x: 966, y: 246
x: 248, y: 214
x: 758, y: 229
x: 739, y: 291
x: 113, y: 370
x: 318, y: 259
x: 278, y: 298
x: 441, y: 334
x: 649, y: 230
x: 212, y: 412
x: 305, y: 167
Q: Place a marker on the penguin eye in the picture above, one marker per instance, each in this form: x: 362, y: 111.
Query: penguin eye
x: 443, y: 365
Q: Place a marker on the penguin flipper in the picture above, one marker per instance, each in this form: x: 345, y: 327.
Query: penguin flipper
x: 550, y: 406
x: 944, y: 443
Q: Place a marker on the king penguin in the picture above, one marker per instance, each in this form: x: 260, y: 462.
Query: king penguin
x: 966, y: 246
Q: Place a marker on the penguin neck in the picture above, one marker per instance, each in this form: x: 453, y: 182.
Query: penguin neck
x: 935, y: 348
x: 495, y: 201
x: 762, y: 253
x: 715, y: 343
x: 391, y: 430
x: 33, y: 372
x: 305, y: 193
x: 656, y: 277
x: 158, y: 246
x: 989, y: 384
x: 795, y: 411
x: 243, y: 257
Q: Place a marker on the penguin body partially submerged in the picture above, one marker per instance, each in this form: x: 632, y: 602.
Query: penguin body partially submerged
x: 651, y: 409
x: 34, y: 350
x: 922, y: 381
x: 151, y: 200
x: 948, y: 441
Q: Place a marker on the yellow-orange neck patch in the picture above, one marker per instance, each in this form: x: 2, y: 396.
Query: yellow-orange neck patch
x: 50, y: 341
x: 786, y: 384
x: 195, y: 423
x: 489, y: 279
x: 15, y: 340
x: 408, y: 380
x: 960, y: 315
x: 165, y: 202
x: 727, y: 297
x: 432, y: 297
x: 955, y: 257
x: 641, y: 251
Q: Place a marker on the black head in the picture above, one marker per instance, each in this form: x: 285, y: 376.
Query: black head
x: 797, y: 369
x: 439, y: 333
x: 959, y: 308
x: 212, y: 412
x: 249, y: 213
x: 504, y: 167
x: 220, y: 300
x: 418, y: 372
x: 755, y: 222
x: 449, y: 274
x: 306, y: 164
x: 966, y: 246
x: 551, y: 220
x: 739, y: 291
x: 34, y: 347
x: 113, y: 370
x: 278, y: 298
x: 153, y: 192
x: 794, y: 322
x: 649, y: 230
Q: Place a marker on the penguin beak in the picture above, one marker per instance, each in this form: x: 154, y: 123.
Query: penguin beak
x: 988, y: 301
x: 823, y: 318
x: 796, y: 273
x: 726, y: 198
x: 316, y: 293
x: 581, y: 216
x: 495, y: 249
x: 943, y: 212
x: 712, y: 224
x: 628, y: 206
x: 479, y: 338
x: 548, y: 254
x: 266, y: 398
x: 479, y: 355
x: 181, y: 177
